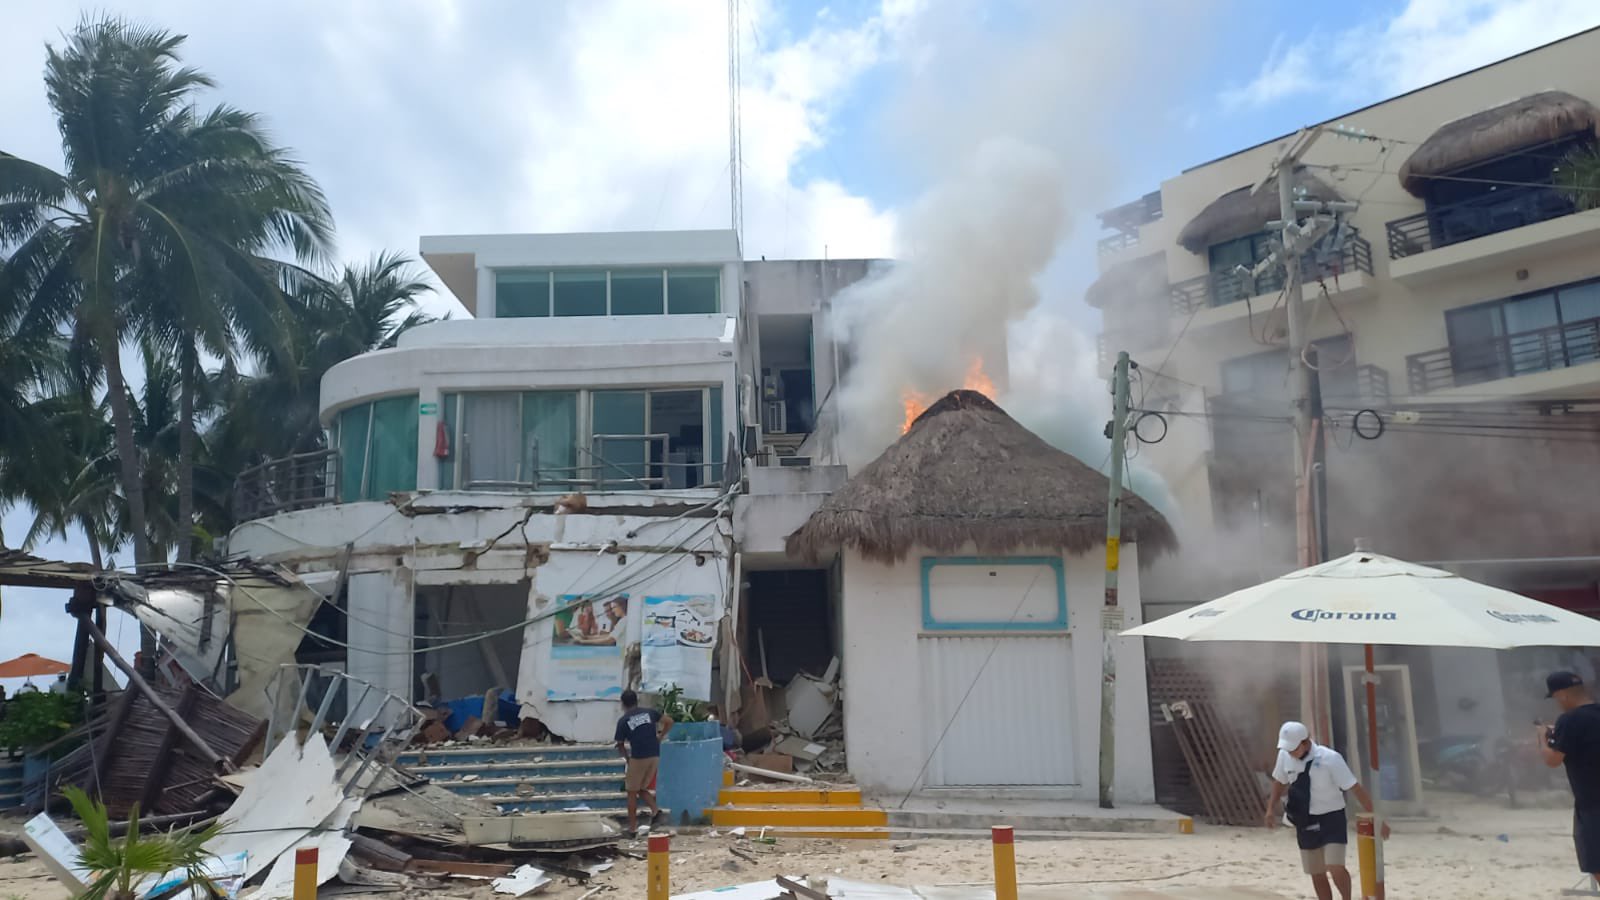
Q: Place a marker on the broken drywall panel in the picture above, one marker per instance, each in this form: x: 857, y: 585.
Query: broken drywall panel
x: 810, y: 703
x: 800, y: 748
x: 521, y: 882
x: 291, y: 795
x: 757, y: 890
x: 545, y: 827
x: 60, y: 857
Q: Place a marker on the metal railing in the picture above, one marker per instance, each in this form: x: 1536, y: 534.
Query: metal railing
x: 301, y: 481
x: 1507, y: 356
x: 647, y: 468
x: 1115, y: 243
x: 1497, y: 211
x: 1222, y: 288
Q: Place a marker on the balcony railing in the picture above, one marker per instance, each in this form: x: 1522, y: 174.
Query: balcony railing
x: 1372, y: 383
x: 1115, y: 243
x: 1222, y: 288
x: 1523, y: 353
x: 1497, y: 211
x: 302, y: 481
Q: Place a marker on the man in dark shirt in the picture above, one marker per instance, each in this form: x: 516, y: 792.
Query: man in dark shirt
x: 639, y: 734
x: 1574, y: 741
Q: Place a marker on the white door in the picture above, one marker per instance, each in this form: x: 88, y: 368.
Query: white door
x: 999, y: 709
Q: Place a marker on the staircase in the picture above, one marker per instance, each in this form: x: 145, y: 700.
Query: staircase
x: 526, y: 778
x: 836, y: 814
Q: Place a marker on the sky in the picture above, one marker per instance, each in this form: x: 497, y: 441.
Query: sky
x: 438, y: 117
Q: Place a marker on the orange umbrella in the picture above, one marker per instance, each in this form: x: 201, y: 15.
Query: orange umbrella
x: 29, y: 665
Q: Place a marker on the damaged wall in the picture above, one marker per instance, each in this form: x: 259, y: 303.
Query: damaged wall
x: 900, y: 676
x: 502, y: 550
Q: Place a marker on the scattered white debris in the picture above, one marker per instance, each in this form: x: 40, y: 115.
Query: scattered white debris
x: 522, y: 882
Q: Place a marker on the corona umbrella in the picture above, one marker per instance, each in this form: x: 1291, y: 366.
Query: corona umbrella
x: 32, y: 665
x: 1369, y: 599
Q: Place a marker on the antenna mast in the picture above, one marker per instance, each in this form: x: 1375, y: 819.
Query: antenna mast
x: 735, y: 148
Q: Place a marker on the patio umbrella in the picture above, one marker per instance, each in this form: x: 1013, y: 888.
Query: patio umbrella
x: 32, y: 665
x: 1369, y: 599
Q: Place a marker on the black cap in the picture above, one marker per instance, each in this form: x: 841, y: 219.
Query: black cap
x: 1560, y: 681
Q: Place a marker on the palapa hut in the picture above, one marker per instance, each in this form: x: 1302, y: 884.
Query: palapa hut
x: 972, y: 580
x: 1240, y: 212
x: 1548, y: 117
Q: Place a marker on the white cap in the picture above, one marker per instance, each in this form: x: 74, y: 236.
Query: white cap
x: 1292, y: 735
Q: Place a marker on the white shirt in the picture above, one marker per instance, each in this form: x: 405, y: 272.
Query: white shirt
x: 1330, y: 777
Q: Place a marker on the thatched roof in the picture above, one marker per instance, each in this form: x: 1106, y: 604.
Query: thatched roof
x: 1533, y: 120
x: 1130, y: 281
x: 968, y: 474
x: 1239, y: 212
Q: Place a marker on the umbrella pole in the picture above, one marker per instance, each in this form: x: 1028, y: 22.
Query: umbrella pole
x: 1375, y: 789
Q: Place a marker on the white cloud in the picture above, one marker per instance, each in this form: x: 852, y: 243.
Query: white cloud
x: 1426, y: 41
x: 420, y: 117
x: 427, y: 117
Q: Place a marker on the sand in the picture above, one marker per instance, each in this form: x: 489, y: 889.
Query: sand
x: 1471, y: 851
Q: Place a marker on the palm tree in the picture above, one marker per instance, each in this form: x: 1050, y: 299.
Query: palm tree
x: 366, y: 308
x: 121, y: 865
x: 158, y: 224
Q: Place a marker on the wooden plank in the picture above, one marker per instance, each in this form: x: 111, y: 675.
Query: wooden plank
x: 156, y: 781
x: 458, y: 867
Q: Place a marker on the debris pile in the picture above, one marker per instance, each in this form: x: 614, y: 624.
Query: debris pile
x: 798, y: 730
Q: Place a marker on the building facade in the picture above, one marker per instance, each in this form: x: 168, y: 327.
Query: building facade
x: 504, y: 497
x: 1454, y: 324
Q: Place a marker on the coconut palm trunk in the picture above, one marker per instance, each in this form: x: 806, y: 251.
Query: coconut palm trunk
x: 189, y: 371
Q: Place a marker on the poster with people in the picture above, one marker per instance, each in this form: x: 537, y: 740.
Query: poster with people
x: 680, y: 633
x: 588, y: 636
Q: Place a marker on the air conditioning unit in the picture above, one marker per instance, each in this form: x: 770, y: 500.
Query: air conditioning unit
x: 774, y: 417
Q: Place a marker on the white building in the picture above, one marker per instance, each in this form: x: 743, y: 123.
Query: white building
x: 629, y: 368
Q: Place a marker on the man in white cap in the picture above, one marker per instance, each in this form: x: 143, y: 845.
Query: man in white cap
x: 1316, y: 779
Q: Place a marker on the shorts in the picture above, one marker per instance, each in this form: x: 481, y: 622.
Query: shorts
x: 1586, y: 838
x: 641, y: 773
x: 1323, y: 842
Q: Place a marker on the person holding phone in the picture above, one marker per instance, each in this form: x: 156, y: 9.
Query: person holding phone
x: 1574, y: 742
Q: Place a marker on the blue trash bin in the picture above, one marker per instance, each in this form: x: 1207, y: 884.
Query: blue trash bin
x: 691, y: 772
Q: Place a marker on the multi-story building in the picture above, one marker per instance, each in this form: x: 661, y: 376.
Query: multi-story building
x: 1455, y: 324
x: 613, y: 409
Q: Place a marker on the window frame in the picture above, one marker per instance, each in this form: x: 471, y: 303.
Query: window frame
x: 1061, y: 622
x: 551, y: 275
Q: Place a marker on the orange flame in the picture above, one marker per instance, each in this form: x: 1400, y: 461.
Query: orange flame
x: 913, y: 402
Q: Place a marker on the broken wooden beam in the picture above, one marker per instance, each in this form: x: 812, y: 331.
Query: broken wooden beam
x: 137, y: 681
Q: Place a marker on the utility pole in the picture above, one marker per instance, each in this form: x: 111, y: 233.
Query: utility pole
x: 1111, y: 615
x: 1293, y: 243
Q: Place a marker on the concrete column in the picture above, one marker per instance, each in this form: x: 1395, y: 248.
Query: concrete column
x: 381, y: 622
x: 427, y: 432
x: 485, y: 293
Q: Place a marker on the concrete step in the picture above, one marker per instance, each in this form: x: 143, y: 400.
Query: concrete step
x: 598, y: 800
x: 592, y: 768
x: 558, y: 784
x: 1035, y: 816
x: 789, y: 797
x: 826, y: 817
x: 513, y: 753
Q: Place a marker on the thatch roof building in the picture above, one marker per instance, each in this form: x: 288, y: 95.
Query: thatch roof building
x: 1533, y: 120
x: 1239, y: 212
x: 1131, y: 282
x: 967, y: 474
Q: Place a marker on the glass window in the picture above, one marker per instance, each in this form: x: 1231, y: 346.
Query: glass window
x: 1580, y: 303
x: 618, y: 442
x: 521, y: 294
x: 719, y: 441
x: 392, y: 454
x: 693, y: 291
x: 355, y: 424
x: 637, y: 292
x: 580, y: 293
x: 490, y: 440
x: 550, y: 434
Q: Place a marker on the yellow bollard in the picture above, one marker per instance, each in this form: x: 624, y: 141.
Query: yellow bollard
x: 1366, y: 850
x: 659, y: 884
x: 305, y: 874
x: 1186, y: 825
x: 1005, y: 862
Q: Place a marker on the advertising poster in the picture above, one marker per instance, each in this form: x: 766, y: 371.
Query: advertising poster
x: 680, y: 633
x: 586, y: 644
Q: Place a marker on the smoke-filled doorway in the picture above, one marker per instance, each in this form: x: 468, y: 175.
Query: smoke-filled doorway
x: 791, y: 717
